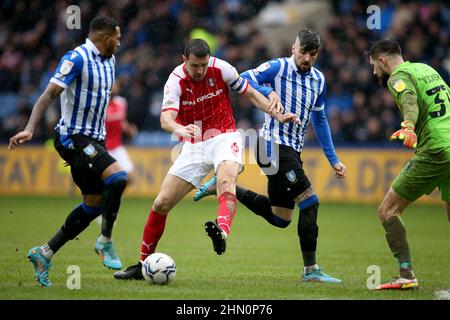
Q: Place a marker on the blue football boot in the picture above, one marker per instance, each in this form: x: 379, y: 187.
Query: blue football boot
x: 204, y: 191
x: 108, y: 255
x: 319, y: 276
x: 41, y: 266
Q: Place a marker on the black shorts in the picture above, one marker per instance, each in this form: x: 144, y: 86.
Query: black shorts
x: 88, y: 159
x: 284, y: 170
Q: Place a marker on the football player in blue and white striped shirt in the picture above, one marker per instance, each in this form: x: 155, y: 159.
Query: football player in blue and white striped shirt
x: 83, y: 80
x: 301, y: 89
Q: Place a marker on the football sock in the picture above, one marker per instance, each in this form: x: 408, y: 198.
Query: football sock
x: 153, y: 231
x: 226, y: 211
x: 104, y: 239
x: 260, y: 205
x: 57, y: 241
x: 398, y: 242
x: 309, y: 260
x: 308, y: 269
x: 46, y: 251
x: 308, y: 232
x: 78, y: 220
x: 114, y: 186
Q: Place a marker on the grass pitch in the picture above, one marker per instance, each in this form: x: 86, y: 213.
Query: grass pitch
x: 261, y: 262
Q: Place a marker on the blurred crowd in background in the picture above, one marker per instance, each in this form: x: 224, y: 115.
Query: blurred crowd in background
x: 34, y: 36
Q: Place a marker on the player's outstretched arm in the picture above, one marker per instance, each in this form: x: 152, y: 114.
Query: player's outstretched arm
x: 261, y: 102
x: 44, y: 101
x: 323, y: 133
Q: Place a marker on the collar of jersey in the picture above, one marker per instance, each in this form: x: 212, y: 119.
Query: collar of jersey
x: 91, y: 46
x: 401, y: 66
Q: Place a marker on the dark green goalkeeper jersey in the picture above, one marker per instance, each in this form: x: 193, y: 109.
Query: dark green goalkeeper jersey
x: 433, y: 101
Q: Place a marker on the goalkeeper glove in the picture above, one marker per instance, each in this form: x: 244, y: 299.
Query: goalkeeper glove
x: 406, y: 134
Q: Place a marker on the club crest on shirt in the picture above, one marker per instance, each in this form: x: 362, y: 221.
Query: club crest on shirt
x: 90, y: 150
x: 291, y: 176
x: 66, y: 67
x: 211, y: 82
x: 235, y: 148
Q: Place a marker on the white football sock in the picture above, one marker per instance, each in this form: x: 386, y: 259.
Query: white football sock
x: 47, y: 251
x: 309, y: 269
x: 104, y: 239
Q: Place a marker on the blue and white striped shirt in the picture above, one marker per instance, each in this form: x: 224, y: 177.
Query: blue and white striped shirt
x: 300, y: 94
x: 87, y: 78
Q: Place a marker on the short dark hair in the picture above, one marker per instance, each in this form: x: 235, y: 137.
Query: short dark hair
x: 198, y: 47
x: 389, y: 47
x: 103, y: 23
x: 309, y: 40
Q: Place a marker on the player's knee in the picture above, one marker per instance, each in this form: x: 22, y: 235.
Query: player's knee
x: 226, y: 184
x: 385, y: 212
x: 303, y: 195
x: 162, y: 204
x: 381, y: 212
x: 307, y: 222
x: 309, y: 202
x: 117, y: 182
x: 130, y: 178
x: 282, y: 217
x: 281, y: 223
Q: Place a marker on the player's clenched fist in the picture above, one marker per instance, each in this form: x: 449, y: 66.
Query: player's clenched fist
x: 275, y: 103
x: 189, y: 131
x: 406, y: 134
x: 339, y: 170
x: 286, y: 117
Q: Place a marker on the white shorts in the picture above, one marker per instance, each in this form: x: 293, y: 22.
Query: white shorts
x: 196, y: 160
x: 121, y: 155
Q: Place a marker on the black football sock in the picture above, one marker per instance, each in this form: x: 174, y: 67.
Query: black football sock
x: 308, y: 231
x: 260, y: 205
x: 78, y: 220
x: 114, y: 187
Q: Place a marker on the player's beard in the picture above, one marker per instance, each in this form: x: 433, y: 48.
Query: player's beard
x: 383, y: 80
x: 305, y: 68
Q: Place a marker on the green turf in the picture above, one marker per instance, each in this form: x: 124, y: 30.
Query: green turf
x: 261, y: 262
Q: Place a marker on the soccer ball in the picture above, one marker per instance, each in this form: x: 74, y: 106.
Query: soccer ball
x: 159, y: 268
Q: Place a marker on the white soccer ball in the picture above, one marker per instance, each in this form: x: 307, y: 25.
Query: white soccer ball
x: 159, y: 268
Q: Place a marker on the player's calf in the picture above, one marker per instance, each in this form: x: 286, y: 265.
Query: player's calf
x: 308, y: 230
x: 78, y: 220
x: 261, y: 206
x: 114, y: 186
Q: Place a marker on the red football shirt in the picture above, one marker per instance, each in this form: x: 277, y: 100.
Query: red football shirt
x: 204, y: 103
x: 116, y: 113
